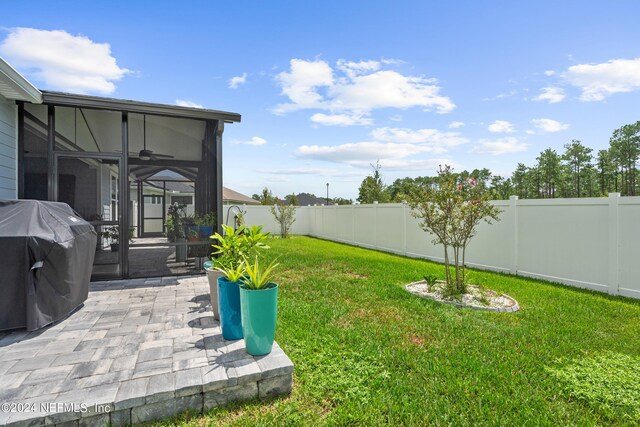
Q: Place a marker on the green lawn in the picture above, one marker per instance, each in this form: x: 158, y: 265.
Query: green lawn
x: 366, y: 352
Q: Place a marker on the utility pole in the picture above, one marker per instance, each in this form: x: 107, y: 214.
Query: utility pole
x: 327, y: 194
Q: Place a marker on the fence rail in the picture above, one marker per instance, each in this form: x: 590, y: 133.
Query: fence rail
x: 591, y: 243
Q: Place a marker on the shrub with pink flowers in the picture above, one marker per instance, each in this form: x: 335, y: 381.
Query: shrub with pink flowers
x: 451, y: 211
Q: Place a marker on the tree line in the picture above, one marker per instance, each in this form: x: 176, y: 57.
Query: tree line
x: 266, y: 198
x: 575, y: 172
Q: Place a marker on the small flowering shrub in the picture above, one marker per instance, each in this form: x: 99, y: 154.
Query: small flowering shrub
x: 451, y: 211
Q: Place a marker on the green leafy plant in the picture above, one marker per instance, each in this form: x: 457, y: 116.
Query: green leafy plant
x: 192, y: 233
x: 239, y: 219
x: 254, y: 238
x: 233, y: 273
x: 431, y: 281
x: 174, y: 224
x: 483, y: 297
x: 208, y: 219
x: 234, y: 245
x: 257, y: 275
x: 113, y: 234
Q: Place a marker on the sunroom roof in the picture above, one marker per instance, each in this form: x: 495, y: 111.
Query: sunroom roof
x: 85, y: 101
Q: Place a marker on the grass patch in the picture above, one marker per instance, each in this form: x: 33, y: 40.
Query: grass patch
x: 366, y: 352
x: 607, y: 381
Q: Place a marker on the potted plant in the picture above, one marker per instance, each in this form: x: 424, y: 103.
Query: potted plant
x: 175, y: 229
x: 206, y: 223
x: 192, y: 237
x: 259, y: 306
x: 113, y: 234
x: 231, y: 248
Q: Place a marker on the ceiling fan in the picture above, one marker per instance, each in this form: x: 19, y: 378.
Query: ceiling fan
x: 146, y: 154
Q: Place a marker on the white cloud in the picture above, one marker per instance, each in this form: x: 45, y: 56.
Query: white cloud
x: 353, y: 69
x: 549, y: 73
x: 360, y: 151
x: 63, y: 61
x: 278, y: 179
x: 300, y: 84
x: 256, y: 140
x: 236, y: 81
x: 597, y: 81
x: 394, y: 147
x: 356, y: 88
x: 551, y: 95
x: 501, y: 126
x: 499, y: 146
x: 396, y: 118
x: 388, y: 89
x: 432, y: 137
x: 549, y: 126
x: 341, y: 119
x: 456, y: 125
x: 187, y: 103
x: 502, y: 95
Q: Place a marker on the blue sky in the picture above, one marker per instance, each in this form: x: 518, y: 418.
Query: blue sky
x: 327, y: 87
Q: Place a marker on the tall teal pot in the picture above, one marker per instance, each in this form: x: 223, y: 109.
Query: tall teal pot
x: 229, y: 307
x: 259, y: 313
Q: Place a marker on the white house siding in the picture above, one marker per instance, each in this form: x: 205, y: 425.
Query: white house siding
x: 8, y: 149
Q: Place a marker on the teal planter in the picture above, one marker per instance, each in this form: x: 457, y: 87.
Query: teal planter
x: 259, y: 312
x: 229, y: 307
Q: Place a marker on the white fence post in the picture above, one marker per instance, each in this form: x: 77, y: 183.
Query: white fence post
x: 404, y: 229
x: 513, y: 206
x: 614, y: 243
x: 375, y: 225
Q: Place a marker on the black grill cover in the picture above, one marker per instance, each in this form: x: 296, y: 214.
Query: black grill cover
x: 46, y: 256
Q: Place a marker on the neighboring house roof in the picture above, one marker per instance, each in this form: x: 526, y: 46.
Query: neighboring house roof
x: 231, y: 196
x: 305, y: 199
x: 174, y: 187
x: 14, y: 86
x: 173, y: 184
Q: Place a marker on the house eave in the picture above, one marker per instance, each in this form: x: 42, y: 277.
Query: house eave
x: 14, y: 86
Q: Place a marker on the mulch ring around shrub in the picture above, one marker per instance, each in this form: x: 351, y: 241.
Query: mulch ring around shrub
x: 477, y: 297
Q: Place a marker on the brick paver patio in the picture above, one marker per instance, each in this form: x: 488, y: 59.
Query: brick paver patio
x: 137, y: 350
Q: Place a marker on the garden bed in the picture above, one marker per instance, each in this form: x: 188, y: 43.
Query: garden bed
x: 477, y: 297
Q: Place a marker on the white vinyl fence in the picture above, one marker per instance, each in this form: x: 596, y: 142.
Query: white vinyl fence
x: 591, y: 243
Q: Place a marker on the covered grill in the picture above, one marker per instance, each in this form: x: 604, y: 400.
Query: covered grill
x: 46, y: 257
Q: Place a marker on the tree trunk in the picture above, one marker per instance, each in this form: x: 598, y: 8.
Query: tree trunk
x: 447, y: 273
x: 464, y: 252
x: 457, y: 266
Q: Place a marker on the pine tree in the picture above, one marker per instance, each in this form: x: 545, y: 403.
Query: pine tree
x: 372, y: 188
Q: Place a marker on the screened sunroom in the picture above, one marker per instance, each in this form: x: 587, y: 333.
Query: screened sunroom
x: 119, y: 163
